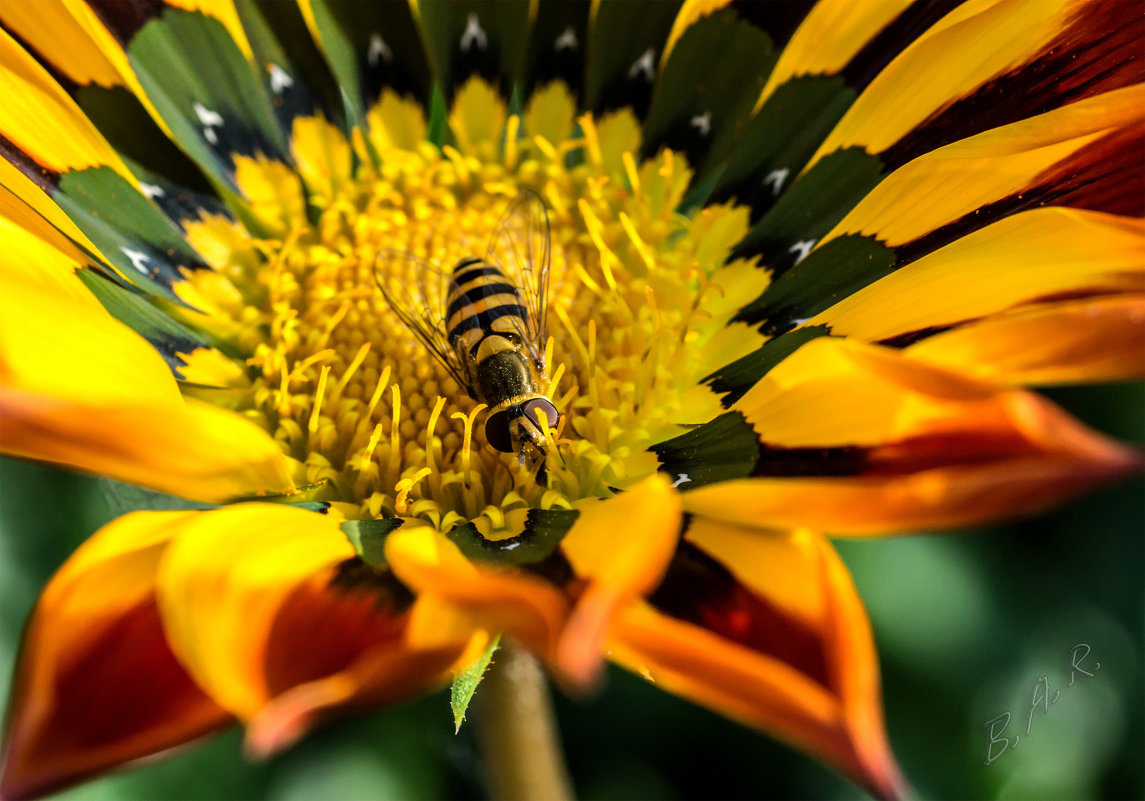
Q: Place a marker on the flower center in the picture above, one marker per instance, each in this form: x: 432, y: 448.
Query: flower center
x: 636, y: 311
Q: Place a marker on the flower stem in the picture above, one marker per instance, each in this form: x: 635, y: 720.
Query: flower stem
x: 517, y: 728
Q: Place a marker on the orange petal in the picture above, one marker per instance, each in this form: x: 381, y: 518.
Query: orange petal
x: 861, y: 439
x: 620, y: 548
x: 1074, y: 341
x: 96, y: 684
x: 456, y: 596
x: 766, y: 628
x: 79, y: 388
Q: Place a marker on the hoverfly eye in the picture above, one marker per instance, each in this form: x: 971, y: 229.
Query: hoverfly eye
x: 537, y: 407
x: 497, y: 432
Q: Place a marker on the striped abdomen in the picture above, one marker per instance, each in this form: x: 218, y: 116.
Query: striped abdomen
x: 482, y: 301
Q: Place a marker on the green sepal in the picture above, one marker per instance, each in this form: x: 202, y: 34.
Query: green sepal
x: 369, y: 538
x: 465, y: 683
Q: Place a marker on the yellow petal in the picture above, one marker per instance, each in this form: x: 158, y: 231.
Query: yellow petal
x: 39, y: 118
x: 477, y: 118
x: 909, y: 445
x: 973, y: 43
x: 79, y: 388
x: 830, y: 36
x: 323, y: 157
x: 224, y: 580
x: 952, y: 181
x: 1019, y: 259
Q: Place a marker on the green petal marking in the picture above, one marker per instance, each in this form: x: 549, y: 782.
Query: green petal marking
x: 810, y: 208
x: 542, y: 534
x: 138, y: 238
x: 139, y: 312
x: 735, y: 379
x: 625, y: 46
x: 722, y: 449
x: 777, y: 143
x: 369, y: 538
x: 841, y: 267
x: 371, y: 46
x: 475, y: 37
x: 708, y: 87
x: 206, y: 91
x: 293, y: 71
x: 558, y: 46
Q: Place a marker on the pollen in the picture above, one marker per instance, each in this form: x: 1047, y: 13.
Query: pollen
x: 367, y: 415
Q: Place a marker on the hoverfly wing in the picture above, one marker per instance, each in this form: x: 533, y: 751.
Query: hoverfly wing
x: 520, y: 248
x: 416, y: 291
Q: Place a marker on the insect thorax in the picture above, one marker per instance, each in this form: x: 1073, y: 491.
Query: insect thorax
x: 503, y: 376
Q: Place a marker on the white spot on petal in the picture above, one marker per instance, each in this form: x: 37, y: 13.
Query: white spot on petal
x: 473, y: 35
x: 207, y: 116
x: 138, y: 260
x: 802, y: 247
x: 151, y: 190
x: 511, y: 546
x: 646, y: 64
x: 703, y: 123
x: 567, y: 40
x: 279, y: 80
x: 684, y: 478
x: 777, y: 178
x: 378, y: 50
x: 210, y: 135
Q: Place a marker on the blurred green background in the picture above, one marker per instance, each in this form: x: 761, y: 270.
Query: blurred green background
x: 967, y: 627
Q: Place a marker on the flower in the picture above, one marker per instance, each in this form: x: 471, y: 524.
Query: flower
x: 795, y: 290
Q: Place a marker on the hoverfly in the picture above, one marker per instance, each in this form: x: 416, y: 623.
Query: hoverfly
x: 485, y: 323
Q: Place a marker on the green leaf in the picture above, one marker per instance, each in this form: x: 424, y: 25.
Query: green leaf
x: 465, y: 683
x: 369, y: 538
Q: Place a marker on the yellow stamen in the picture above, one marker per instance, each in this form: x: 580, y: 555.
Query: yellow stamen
x: 467, y: 437
x: 318, y: 398
x: 463, y: 174
x: 430, y: 426
x: 631, y: 171
x: 591, y: 140
x: 403, y: 487
x: 641, y: 248
x: 378, y: 390
x: 512, y: 125
x: 352, y: 368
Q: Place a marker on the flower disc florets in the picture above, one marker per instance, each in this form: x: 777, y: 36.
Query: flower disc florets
x: 635, y: 306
